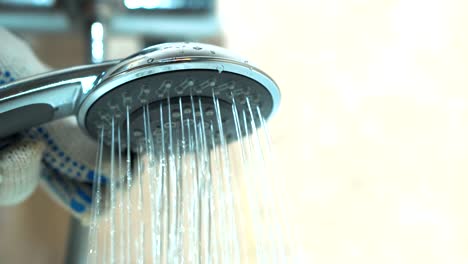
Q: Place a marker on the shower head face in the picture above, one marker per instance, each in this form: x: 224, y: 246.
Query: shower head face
x: 177, y: 82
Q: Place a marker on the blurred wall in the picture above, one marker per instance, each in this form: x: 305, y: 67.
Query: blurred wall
x: 372, y: 134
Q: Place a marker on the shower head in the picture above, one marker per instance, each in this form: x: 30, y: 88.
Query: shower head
x: 172, y: 80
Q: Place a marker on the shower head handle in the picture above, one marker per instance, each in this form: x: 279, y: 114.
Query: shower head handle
x: 45, y: 97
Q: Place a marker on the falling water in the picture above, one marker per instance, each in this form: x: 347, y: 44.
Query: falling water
x: 189, y: 190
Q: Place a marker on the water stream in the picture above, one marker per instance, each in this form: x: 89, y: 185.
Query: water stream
x: 189, y: 190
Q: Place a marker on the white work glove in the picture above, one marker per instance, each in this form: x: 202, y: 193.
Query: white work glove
x: 57, y: 154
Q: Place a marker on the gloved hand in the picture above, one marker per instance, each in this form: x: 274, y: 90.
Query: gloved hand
x: 58, y: 154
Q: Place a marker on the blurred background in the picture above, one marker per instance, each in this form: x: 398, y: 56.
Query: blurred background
x: 371, y: 139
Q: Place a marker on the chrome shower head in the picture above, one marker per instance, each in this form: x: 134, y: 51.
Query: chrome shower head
x: 167, y: 76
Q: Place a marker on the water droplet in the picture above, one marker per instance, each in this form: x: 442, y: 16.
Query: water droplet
x: 169, y: 124
x: 187, y: 111
x: 212, y: 52
x: 137, y: 133
x: 209, y: 112
x: 197, y: 48
x: 220, y: 68
x: 176, y: 114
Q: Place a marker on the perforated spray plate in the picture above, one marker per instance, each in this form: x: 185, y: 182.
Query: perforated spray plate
x: 162, y: 92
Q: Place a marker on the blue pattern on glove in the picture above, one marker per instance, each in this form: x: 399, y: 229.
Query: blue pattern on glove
x: 5, y: 77
x: 77, y: 196
x: 56, y: 158
x: 68, y: 179
x: 77, y: 207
